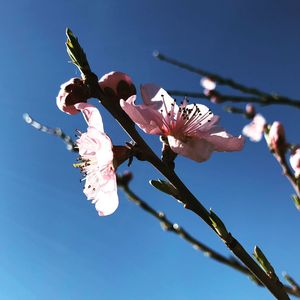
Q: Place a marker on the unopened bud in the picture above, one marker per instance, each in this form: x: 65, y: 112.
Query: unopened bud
x: 72, y: 92
x: 208, y: 84
x: 276, y: 138
x: 117, y: 85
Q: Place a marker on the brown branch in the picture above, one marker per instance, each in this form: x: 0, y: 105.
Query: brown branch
x: 71, y: 146
x: 266, y: 98
x: 231, y: 98
x: 168, y: 225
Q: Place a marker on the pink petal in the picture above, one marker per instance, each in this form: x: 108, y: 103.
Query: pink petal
x: 208, y: 84
x: 196, y: 149
x: 148, y: 119
x: 255, y: 129
x: 99, y: 181
x: 91, y: 115
x: 61, y: 103
x: 153, y: 95
x: 107, y: 203
x: 223, y: 141
x: 112, y: 79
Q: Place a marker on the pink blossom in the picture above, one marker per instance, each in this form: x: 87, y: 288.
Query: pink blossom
x: 255, y: 129
x: 208, y: 84
x: 117, y: 84
x: 71, y: 92
x: 276, y: 138
x: 96, y: 162
x: 191, y: 129
x: 295, y: 161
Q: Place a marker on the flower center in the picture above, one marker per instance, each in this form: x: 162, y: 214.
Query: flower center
x: 185, y: 120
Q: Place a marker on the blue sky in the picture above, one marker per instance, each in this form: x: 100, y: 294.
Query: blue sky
x: 54, y: 245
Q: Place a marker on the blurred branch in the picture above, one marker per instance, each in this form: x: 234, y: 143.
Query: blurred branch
x: 292, y: 282
x: 71, y: 146
x: 167, y: 225
x: 265, y: 98
x: 228, y: 98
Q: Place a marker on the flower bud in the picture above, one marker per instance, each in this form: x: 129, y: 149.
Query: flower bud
x: 276, y: 138
x: 117, y: 85
x: 72, y: 92
x: 208, y: 84
x: 250, y: 111
x: 295, y: 161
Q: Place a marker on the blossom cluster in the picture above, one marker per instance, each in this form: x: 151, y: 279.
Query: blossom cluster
x: 190, y: 130
x: 275, y: 137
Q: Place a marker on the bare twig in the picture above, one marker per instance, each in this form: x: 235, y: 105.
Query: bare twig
x: 168, y: 225
x: 71, y: 146
x: 228, y: 98
x: 265, y: 98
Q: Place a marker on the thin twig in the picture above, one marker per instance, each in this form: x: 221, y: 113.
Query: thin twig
x: 229, y: 98
x: 71, y: 146
x: 266, y: 98
x: 292, y: 282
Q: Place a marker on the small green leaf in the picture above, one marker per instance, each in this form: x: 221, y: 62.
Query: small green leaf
x: 218, y: 225
x: 165, y: 187
x: 290, y: 280
x: 76, y: 53
x: 263, y: 261
x: 296, y: 201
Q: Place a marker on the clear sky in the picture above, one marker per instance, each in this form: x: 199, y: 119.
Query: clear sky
x: 53, y: 244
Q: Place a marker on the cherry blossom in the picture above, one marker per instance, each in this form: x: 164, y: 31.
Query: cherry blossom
x: 191, y: 129
x: 255, y: 129
x: 96, y: 162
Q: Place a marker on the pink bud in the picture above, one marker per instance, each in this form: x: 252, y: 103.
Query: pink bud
x: 250, y: 111
x: 72, y: 92
x: 208, y: 84
x: 277, y: 138
x: 295, y: 161
x: 117, y: 85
